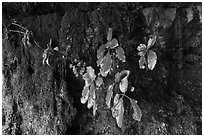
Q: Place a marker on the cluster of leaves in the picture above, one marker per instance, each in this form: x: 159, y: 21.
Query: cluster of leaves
x: 104, y: 55
x: 89, y: 91
x: 117, y: 108
x: 148, y: 58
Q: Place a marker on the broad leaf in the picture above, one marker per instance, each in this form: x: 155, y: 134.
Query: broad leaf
x: 114, y: 43
x: 116, y: 99
x: 151, y: 41
x: 100, y: 51
x: 86, y: 77
x: 151, y: 59
x: 120, y: 109
x: 99, y: 61
x: 91, y: 72
x: 137, y: 113
x: 141, y: 47
x: 124, y: 82
x: 121, y: 74
x: 116, y: 105
x: 85, y: 94
x: 123, y: 85
x: 91, y: 98
x: 120, y: 54
x: 106, y: 65
x: 109, y: 35
x: 109, y: 95
x: 142, y: 62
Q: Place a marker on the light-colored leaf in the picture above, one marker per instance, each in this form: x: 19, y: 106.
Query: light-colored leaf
x: 141, y: 47
x: 109, y: 95
x: 114, y: 43
x: 91, y: 72
x: 106, y: 65
x: 142, y: 62
x: 124, y: 82
x: 117, y: 77
x: 100, y: 51
x: 119, y: 118
x: 85, y: 94
x: 99, y: 81
x: 116, y: 106
x: 94, y: 108
x: 109, y: 35
x: 100, y: 60
x: 86, y: 76
x: 91, y: 98
x: 142, y: 53
x: 137, y: 113
x: 151, y: 59
x: 116, y: 99
x: 151, y: 41
x: 123, y: 85
x: 120, y: 54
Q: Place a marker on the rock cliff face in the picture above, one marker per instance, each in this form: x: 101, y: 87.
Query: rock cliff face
x: 42, y: 99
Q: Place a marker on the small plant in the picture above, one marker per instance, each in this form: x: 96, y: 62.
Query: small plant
x: 91, y: 85
x: 148, y: 58
x: 26, y: 35
x: 117, y: 108
x: 45, y: 53
x: 104, y: 55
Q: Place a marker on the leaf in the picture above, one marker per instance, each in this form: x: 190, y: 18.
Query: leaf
x: 137, y: 113
x: 116, y: 99
x: 119, y: 118
x: 148, y: 13
x: 151, y: 41
x: 141, y: 47
x: 151, y: 59
x: 114, y: 43
x: 91, y: 98
x: 85, y: 94
x: 86, y: 76
x: 94, y: 107
x: 117, y: 77
x: 114, y: 109
x: 120, y: 54
x: 142, y: 62
x: 106, y: 65
x: 99, y: 81
x: 91, y: 72
x: 122, y: 74
x: 123, y: 85
x: 100, y: 51
x: 124, y: 82
x: 109, y: 95
x: 109, y: 35
x: 99, y: 61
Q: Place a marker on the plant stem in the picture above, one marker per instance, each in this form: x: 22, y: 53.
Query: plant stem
x: 123, y: 95
x: 17, y: 31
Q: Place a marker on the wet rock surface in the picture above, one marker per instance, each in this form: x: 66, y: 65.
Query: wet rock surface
x: 42, y: 99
